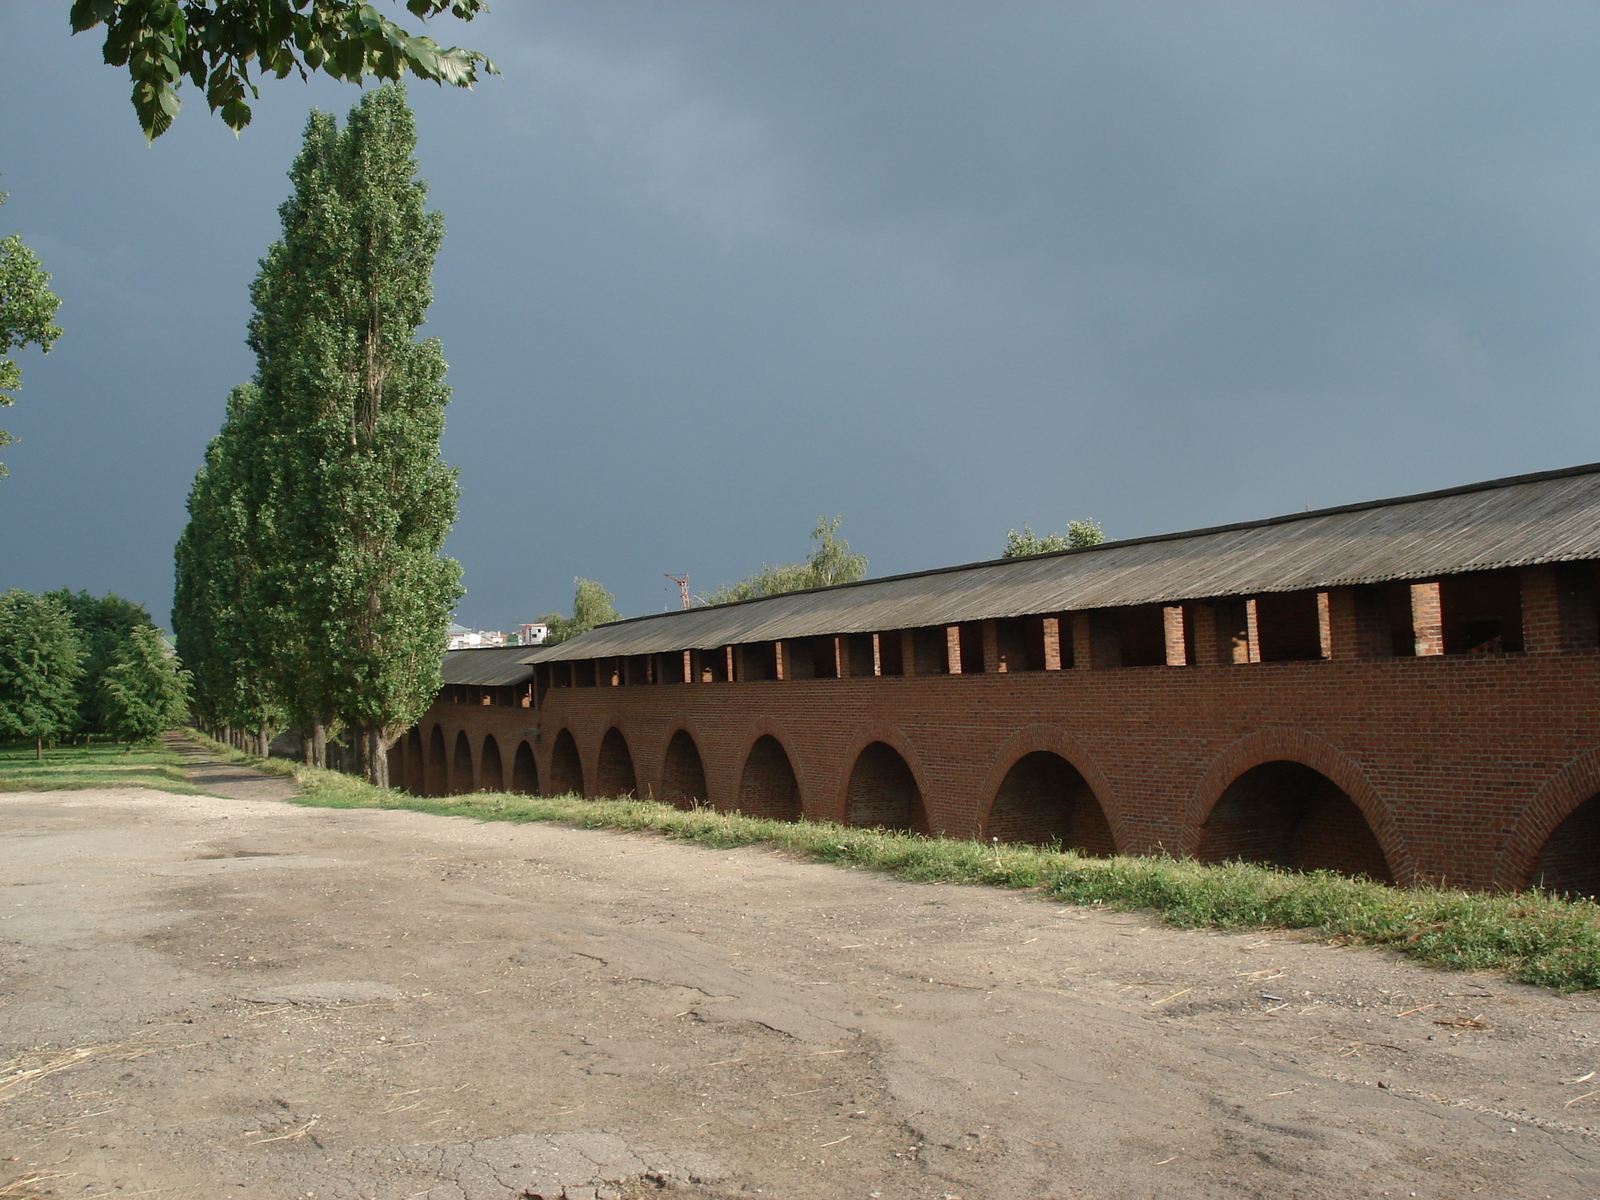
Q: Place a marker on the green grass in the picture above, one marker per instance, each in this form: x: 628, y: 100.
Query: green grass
x: 1531, y: 937
x: 97, y: 765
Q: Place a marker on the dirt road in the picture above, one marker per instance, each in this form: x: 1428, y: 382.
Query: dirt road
x: 205, y: 998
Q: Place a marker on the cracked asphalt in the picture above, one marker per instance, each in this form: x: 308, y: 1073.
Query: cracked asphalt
x: 208, y: 997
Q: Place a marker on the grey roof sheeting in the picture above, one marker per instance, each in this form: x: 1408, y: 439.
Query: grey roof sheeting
x: 494, y: 666
x: 1553, y: 516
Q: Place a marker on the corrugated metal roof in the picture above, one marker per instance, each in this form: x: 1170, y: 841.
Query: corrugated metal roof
x: 1550, y: 517
x: 495, y: 666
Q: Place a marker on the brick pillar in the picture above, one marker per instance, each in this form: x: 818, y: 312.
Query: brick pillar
x: 1427, y: 622
x: 1052, y: 643
x: 1580, y: 606
x: 728, y: 664
x: 1324, y: 625
x: 1357, y: 623
x: 1541, y: 610
x: 1207, y: 644
x: 1082, y: 647
x: 1558, y: 608
x: 841, y: 656
x: 1252, y: 633
x: 780, y: 660
x: 991, y: 648
x: 691, y: 672
x: 1172, y: 627
x: 952, y: 648
x: 1096, y: 639
x: 908, y: 651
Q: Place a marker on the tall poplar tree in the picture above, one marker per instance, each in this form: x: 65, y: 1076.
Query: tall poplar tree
x: 355, y: 502
x: 215, y: 613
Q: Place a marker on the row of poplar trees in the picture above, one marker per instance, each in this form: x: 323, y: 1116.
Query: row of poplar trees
x: 311, y: 590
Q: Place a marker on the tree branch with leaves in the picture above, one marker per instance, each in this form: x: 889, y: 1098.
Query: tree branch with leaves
x: 27, y: 312
x: 215, y: 44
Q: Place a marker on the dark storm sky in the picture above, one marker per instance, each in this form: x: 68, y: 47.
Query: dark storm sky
x: 714, y: 269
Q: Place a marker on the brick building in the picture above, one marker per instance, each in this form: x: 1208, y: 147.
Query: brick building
x: 1407, y: 688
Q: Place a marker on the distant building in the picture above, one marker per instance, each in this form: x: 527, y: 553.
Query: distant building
x: 534, y: 634
x: 462, y: 638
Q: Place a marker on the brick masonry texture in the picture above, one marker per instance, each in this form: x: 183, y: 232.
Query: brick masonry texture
x: 1438, y: 768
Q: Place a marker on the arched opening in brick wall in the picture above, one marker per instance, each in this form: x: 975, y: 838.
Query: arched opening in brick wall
x: 684, y: 780
x: 1044, y: 799
x: 1569, y: 862
x: 525, y: 771
x: 461, y: 766
x: 436, y: 775
x: 616, y: 766
x: 566, y: 771
x: 768, y: 788
x: 1285, y: 814
x: 416, y: 772
x: 883, y: 793
x: 491, y: 776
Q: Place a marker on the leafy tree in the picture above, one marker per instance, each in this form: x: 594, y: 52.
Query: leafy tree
x: 214, y: 42
x: 1079, y: 535
x: 27, y: 308
x: 144, y: 692
x: 104, y: 625
x: 352, y: 502
x: 829, y: 562
x: 592, y: 606
x: 39, y: 667
x: 215, y: 608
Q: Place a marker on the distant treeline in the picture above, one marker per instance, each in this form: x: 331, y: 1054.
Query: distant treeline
x: 74, y: 666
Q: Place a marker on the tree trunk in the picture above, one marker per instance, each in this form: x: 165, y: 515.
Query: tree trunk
x: 319, y: 742
x: 38, y: 749
x: 377, y: 756
x: 263, y: 741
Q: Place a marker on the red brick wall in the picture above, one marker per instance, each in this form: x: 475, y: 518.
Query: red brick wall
x: 1462, y: 766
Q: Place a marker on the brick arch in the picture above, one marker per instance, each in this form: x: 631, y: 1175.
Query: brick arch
x: 1562, y: 794
x: 416, y: 769
x: 677, y: 780
x: 566, y: 769
x: 525, y: 770
x: 1297, y: 746
x: 653, y: 750
x: 766, y: 727
x: 1056, y: 740
x: 436, y: 776
x: 614, y: 773
x: 591, y: 748
x: 863, y: 737
x: 491, y: 771
x: 461, y: 765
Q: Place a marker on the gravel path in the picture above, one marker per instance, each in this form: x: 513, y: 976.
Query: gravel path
x: 235, y: 997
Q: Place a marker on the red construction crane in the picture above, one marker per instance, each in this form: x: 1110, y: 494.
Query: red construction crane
x: 683, y: 588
